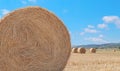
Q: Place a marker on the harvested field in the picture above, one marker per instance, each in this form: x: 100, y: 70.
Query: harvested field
x: 102, y: 60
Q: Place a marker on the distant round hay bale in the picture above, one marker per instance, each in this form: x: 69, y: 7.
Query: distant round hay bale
x: 114, y: 50
x: 92, y: 50
x: 33, y: 39
x: 74, y: 50
x: 81, y: 50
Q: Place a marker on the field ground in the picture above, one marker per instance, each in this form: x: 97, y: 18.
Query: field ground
x: 103, y: 60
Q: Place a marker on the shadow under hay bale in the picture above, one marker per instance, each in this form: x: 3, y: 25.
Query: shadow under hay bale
x: 81, y: 50
x: 33, y: 39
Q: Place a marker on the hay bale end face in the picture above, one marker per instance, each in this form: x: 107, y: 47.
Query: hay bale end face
x: 81, y: 50
x: 33, y: 39
x: 74, y: 50
x: 92, y: 50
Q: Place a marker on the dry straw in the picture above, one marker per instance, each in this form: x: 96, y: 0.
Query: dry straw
x: 33, y: 39
x: 74, y: 50
x: 81, y: 50
x: 92, y: 50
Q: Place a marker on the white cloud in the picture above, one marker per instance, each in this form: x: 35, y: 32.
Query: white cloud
x: 82, y: 33
x: 112, y: 19
x: 5, y: 11
x: 118, y: 23
x: 28, y: 1
x: 88, y: 30
x: 101, y: 36
x: 91, y: 26
x: 24, y: 2
x: 102, y: 26
x: 98, y: 39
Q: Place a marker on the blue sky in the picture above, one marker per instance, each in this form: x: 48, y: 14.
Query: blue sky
x: 88, y: 21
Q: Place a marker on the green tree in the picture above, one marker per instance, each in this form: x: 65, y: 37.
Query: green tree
x: 119, y: 48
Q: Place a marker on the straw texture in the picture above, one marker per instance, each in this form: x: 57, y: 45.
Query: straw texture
x: 33, y: 39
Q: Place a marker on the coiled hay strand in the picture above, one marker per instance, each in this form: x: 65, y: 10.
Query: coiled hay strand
x: 33, y: 39
x: 81, y: 50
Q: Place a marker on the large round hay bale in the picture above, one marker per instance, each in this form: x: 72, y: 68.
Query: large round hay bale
x: 74, y: 50
x: 33, y: 39
x: 92, y: 50
x: 81, y: 50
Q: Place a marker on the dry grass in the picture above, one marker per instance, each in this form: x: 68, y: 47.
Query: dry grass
x: 102, y: 60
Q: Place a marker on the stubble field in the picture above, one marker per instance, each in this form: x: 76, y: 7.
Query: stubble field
x: 102, y: 60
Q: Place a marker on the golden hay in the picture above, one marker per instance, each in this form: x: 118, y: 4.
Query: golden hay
x: 74, y: 50
x: 33, y: 39
x: 92, y: 50
x: 81, y: 50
